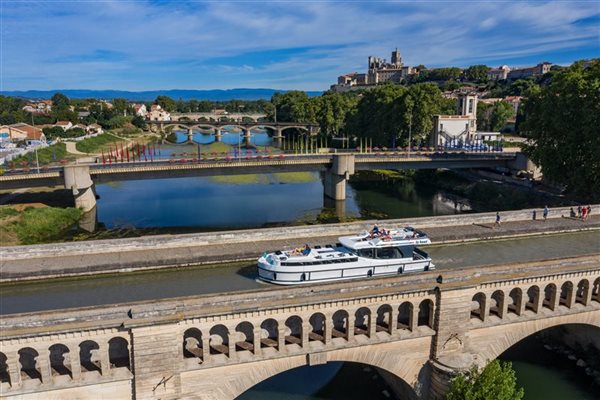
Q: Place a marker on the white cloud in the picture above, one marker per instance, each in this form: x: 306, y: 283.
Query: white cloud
x: 167, y: 45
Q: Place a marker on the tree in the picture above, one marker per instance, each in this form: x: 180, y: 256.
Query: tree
x: 484, y: 110
x: 294, y: 106
x: 139, y: 122
x: 332, y: 109
x: 60, y: 101
x: 166, y: 103
x: 502, y: 111
x: 523, y: 87
x: 497, y: 381
x: 120, y: 106
x: 477, y: 73
x: 562, y: 122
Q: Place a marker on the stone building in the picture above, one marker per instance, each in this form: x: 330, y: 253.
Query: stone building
x: 498, y: 74
x: 157, y: 113
x: 522, y: 73
x: 379, y: 71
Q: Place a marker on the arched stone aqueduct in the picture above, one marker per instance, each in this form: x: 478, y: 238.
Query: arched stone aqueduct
x: 416, y: 334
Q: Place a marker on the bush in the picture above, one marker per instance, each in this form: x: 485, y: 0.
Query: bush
x: 496, y: 381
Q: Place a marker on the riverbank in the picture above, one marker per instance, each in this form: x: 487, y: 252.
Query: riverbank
x: 35, y: 223
x: 169, y: 251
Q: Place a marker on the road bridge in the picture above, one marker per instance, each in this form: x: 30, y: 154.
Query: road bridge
x: 338, y: 168
x: 420, y: 328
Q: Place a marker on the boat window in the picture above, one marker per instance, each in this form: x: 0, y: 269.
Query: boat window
x: 368, y: 253
x: 389, y: 252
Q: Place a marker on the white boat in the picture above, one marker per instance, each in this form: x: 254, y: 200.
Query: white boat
x: 368, y: 254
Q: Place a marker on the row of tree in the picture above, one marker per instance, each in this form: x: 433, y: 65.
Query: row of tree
x: 386, y: 114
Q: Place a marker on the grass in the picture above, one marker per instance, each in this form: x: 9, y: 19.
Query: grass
x: 241, y: 179
x: 282, y: 177
x: 97, y: 144
x: 45, y: 156
x: 295, y: 177
x: 35, y: 225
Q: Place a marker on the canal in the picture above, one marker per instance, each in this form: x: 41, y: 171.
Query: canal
x: 189, y: 281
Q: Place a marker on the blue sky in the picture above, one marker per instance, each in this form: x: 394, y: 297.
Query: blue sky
x: 146, y: 45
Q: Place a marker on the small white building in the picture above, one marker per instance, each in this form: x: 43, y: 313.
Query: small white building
x: 65, y: 125
x: 457, y: 129
x: 94, y: 129
x: 140, y: 110
x: 157, y: 113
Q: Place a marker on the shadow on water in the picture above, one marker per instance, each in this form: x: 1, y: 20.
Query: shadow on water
x: 248, y: 271
x: 331, y: 381
x: 535, y: 362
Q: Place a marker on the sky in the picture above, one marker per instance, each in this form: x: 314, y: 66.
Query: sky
x: 151, y: 45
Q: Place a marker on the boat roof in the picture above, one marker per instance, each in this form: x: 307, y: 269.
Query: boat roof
x: 385, y: 238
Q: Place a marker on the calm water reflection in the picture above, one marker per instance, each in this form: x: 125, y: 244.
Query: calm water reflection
x: 203, y: 203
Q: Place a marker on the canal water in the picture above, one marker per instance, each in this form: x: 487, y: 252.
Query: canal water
x: 120, y: 288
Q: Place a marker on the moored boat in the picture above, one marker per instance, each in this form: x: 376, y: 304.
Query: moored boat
x: 368, y: 254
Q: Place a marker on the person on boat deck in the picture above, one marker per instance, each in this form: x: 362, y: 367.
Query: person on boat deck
x: 306, y: 250
x: 375, y: 231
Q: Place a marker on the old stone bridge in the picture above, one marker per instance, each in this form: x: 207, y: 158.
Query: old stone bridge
x: 337, y: 167
x: 417, y: 329
x: 246, y: 127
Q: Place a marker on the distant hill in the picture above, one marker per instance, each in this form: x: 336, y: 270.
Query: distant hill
x: 214, y: 95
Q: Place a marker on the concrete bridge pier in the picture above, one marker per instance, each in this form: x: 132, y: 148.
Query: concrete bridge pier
x: 247, y: 136
x: 218, y: 134
x: 190, y: 135
x: 336, y: 177
x: 278, y: 138
x: 78, y: 180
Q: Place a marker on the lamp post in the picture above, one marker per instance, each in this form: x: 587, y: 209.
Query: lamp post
x: 409, y: 132
x: 37, y: 161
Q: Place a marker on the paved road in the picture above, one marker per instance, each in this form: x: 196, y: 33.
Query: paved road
x: 120, y: 288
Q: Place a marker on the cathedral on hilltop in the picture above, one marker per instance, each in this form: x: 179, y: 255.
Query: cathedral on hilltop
x: 379, y: 71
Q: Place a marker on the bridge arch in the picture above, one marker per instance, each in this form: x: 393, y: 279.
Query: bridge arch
x: 504, y: 337
x: 406, y: 373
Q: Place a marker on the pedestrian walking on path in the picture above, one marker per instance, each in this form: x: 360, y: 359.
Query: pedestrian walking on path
x: 579, y: 212
x: 589, y: 210
x: 545, y: 213
x: 534, y: 215
x: 584, y: 213
x: 497, y: 218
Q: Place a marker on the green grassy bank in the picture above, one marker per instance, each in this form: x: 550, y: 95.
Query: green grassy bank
x: 33, y: 225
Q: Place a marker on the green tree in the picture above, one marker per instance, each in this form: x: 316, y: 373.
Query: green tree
x: 523, y: 87
x: 120, y: 106
x: 502, y: 111
x: 378, y: 115
x: 477, y: 73
x: 562, y: 122
x: 332, y: 109
x: 139, y: 122
x: 166, y: 103
x: 497, y: 381
x: 484, y: 110
x: 294, y: 106
x: 60, y: 101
